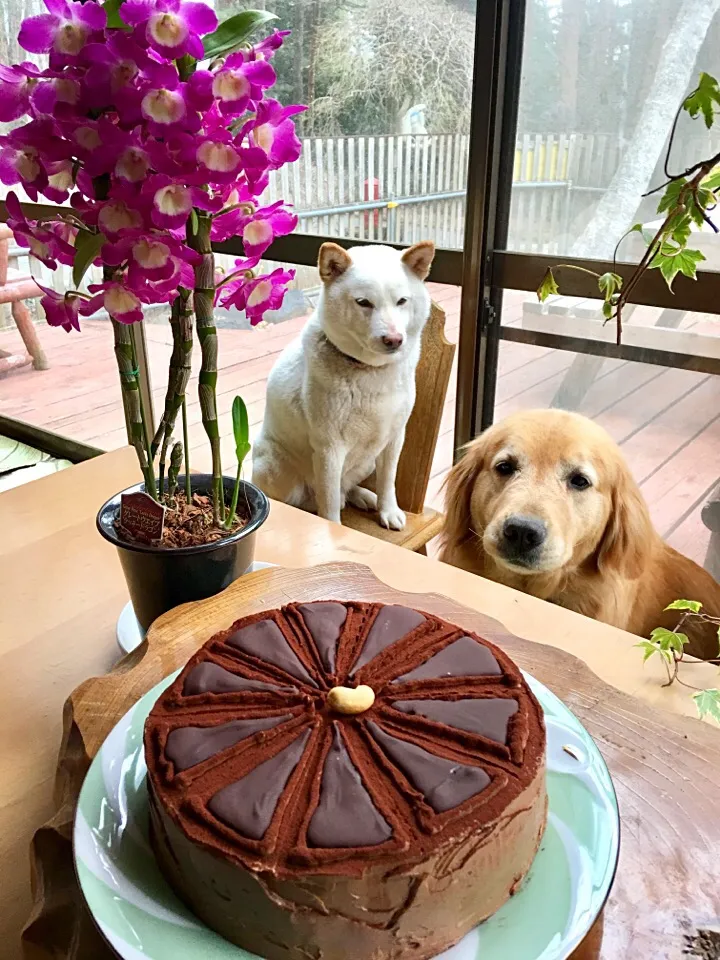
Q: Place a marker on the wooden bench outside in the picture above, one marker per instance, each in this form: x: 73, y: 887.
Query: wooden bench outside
x: 15, y: 287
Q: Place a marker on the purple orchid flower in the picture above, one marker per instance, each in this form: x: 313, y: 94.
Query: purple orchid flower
x: 50, y: 244
x: 258, y: 295
x: 272, y: 138
x: 121, y: 303
x: 64, y: 30
x: 268, y: 47
x: 112, y: 105
x: 260, y: 229
x: 239, y: 83
x: 61, y: 310
x: 19, y: 86
x: 171, y: 27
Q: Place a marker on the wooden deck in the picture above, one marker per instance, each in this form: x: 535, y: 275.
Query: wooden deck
x: 667, y: 421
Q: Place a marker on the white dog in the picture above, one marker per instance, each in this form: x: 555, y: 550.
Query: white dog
x: 339, y: 397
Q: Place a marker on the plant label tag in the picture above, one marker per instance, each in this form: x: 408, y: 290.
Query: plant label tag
x: 142, y: 517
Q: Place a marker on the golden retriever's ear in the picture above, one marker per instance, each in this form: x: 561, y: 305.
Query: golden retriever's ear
x: 458, y: 492
x: 629, y: 531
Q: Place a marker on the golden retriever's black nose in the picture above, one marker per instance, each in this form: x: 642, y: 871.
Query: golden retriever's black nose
x: 522, y: 535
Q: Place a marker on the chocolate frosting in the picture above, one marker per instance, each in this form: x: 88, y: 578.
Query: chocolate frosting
x: 264, y: 640
x: 187, y: 746
x: 325, y: 621
x: 487, y: 717
x: 391, y: 624
x: 345, y: 815
x: 248, y: 804
x: 212, y: 678
x: 463, y: 658
x: 445, y: 784
x: 369, y: 788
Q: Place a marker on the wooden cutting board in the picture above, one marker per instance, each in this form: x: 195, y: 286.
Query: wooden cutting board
x: 665, y: 904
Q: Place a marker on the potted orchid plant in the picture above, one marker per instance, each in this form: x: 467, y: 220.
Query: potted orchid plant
x: 152, y: 126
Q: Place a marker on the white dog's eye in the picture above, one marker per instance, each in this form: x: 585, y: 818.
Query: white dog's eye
x: 402, y: 301
x: 578, y: 481
x: 362, y: 302
x: 506, y: 468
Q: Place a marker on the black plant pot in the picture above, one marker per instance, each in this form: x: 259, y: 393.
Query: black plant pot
x: 159, y: 578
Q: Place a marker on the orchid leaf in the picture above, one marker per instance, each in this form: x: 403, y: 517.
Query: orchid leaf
x: 87, y: 249
x: 708, y: 704
x: 233, y: 32
x: 548, y: 286
x: 241, y: 429
x: 112, y: 12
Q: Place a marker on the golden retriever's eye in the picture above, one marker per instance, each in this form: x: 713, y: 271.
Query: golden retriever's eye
x: 506, y: 468
x: 578, y: 481
x: 362, y: 302
x: 402, y: 301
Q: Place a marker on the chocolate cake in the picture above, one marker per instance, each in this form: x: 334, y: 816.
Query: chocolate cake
x: 346, y: 781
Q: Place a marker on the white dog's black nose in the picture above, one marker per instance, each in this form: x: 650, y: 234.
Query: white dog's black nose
x: 522, y: 535
x: 392, y: 341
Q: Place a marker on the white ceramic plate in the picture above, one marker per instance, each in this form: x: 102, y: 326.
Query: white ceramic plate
x: 142, y: 918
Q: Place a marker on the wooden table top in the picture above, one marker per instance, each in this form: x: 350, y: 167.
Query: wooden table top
x: 62, y: 590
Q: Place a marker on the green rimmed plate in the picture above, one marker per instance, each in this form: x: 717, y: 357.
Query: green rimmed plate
x: 142, y: 919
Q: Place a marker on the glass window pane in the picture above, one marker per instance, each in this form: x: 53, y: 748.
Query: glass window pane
x: 664, y: 419
x: 602, y: 81
x: 385, y: 140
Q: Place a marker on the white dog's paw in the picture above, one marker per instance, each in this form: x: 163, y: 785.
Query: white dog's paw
x: 392, y: 519
x: 362, y: 499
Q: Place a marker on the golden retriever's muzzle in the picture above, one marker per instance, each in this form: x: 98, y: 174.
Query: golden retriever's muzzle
x: 521, y: 540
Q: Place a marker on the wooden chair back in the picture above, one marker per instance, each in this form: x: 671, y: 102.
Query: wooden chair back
x: 431, y: 383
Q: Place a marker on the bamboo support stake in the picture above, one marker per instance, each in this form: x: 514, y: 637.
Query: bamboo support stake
x: 203, y: 298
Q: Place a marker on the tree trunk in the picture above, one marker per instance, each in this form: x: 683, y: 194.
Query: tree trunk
x: 569, y: 50
x: 615, y: 212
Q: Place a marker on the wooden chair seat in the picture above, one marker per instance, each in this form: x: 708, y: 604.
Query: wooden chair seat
x: 420, y: 528
x: 413, y: 476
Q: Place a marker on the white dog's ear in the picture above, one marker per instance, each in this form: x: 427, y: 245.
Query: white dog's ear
x: 333, y: 261
x: 419, y: 258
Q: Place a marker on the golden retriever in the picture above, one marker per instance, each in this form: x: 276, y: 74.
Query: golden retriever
x: 545, y: 503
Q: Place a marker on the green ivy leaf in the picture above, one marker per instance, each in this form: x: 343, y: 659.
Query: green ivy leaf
x: 672, y: 192
x: 112, y: 12
x: 671, y: 262
x: 609, y: 284
x: 693, y: 605
x: 233, y: 32
x: 241, y: 429
x: 712, y: 180
x: 679, y: 227
x: 704, y: 99
x: 649, y: 648
x: 667, y: 640
x: 607, y: 309
x: 548, y: 287
x: 708, y: 704
x: 87, y: 248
